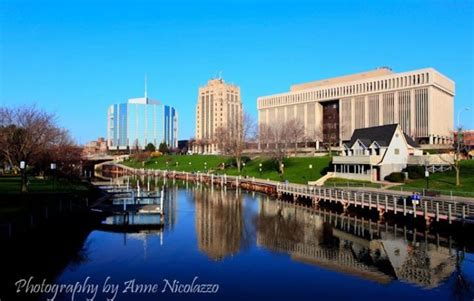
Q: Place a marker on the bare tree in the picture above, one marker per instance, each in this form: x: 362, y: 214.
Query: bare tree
x: 24, y: 134
x: 315, y: 135
x: 198, y: 145
x: 233, y: 140
x: 32, y: 135
x: 238, y: 141
x: 458, y: 148
x: 222, y: 139
x: 264, y: 136
x: 294, y: 132
x: 277, y: 138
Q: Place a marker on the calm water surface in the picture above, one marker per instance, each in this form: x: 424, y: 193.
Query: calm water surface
x: 256, y: 248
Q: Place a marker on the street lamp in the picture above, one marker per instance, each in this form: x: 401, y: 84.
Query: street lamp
x: 53, y: 169
x: 459, y: 115
x: 427, y: 175
x: 260, y: 169
x: 22, y: 170
x: 205, y: 166
x: 311, y: 170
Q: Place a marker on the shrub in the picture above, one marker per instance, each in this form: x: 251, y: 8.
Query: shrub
x: 150, y: 147
x: 327, y: 169
x: 163, y: 148
x: 231, y: 162
x: 415, y: 172
x: 156, y: 154
x: 397, y: 177
x: 141, y: 156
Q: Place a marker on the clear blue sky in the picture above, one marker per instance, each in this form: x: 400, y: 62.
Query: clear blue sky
x: 75, y: 58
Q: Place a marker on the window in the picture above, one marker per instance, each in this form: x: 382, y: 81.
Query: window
x: 396, y: 151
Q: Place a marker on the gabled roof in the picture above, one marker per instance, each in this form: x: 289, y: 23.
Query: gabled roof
x: 410, y: 141
x: 374, y: 143
x: 382, y: 134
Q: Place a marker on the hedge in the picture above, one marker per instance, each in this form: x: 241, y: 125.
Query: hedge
x: 397, y: 177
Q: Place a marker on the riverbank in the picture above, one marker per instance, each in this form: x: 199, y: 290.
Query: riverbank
x: 445, y: 182
x: 44, y: 199
x: 11, y: 185
x: 298, y: 170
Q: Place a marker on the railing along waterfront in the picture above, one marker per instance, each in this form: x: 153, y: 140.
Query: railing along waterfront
x: 437, y: 208
x: 430, y: 208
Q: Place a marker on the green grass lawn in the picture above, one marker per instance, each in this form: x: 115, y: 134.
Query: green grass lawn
x: 13, y: 202
x: 12, y: 185
x: 446, y: 181
x: 296, y: 169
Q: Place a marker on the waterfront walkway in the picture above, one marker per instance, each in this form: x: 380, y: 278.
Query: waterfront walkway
x: 430, y: 208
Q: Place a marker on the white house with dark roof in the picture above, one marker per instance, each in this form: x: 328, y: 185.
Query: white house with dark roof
x: 375, y: 152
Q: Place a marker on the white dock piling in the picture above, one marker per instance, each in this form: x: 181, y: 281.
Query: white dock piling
x: 138, y: 188
x: 161, y: 200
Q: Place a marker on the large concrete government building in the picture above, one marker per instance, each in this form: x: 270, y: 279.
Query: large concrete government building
x: 218, y: 106
x: 420, y: 101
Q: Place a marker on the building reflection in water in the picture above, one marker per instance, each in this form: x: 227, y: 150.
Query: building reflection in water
x: 170, y: 205
x: 350, y: 245
x: 362, y: 248
x: 219, y: 223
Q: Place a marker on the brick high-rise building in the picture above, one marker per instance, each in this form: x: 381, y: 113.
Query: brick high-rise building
x: 218, y: 106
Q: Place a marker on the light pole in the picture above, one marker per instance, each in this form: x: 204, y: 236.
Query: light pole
x: 53, y: 169
x: 205, y: 166
x: 311, y: 170
x: 260, y: 169
x: 22, y: 171
x: 459, y: 115
x: 427, y: 176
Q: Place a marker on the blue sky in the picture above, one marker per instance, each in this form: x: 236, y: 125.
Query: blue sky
x: 75, y: 58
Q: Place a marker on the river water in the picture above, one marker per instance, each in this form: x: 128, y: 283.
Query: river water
x: 238, y: 245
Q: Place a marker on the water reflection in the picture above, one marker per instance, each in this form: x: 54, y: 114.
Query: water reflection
x: 255, y: 247
x: 350, y: 245
x: 219, y: 223
x: 353, y: 246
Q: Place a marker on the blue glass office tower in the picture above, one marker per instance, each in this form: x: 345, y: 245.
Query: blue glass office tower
x: 141, y: 121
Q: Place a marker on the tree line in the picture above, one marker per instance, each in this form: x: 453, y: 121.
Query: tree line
x: 277, y: 140
x: 32, y: 136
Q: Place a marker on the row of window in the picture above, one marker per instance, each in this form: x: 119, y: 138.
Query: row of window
x: 230, y: 98
x: 368, y: 87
